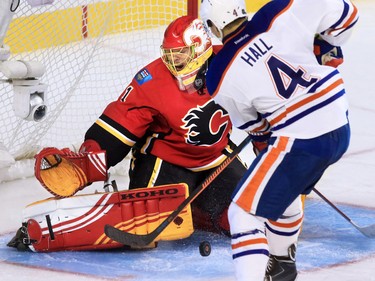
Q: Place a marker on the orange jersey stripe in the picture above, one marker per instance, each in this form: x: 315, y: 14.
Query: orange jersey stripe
x: 249, y: 242
x: 247, y: 196
x: 349, y: 21
x: 352, y: 17
x: 311, y: 98
x: 286, y: 225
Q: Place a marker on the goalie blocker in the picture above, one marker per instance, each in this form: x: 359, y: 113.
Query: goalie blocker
x: 77, y: 223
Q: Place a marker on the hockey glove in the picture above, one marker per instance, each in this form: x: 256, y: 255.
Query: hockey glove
x: 258, y: 146
x: 327, y: 54
x: 64, y: 172
x: 260, y: 137
x: 260, y: 141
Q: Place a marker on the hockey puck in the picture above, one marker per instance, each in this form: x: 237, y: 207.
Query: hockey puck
x: 178, y: 220
x: 205, y: 248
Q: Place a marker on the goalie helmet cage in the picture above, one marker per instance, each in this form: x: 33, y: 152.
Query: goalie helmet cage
x: 91, y: 50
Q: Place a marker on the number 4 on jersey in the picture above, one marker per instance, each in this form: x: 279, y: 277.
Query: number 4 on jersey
x: 286, y: 79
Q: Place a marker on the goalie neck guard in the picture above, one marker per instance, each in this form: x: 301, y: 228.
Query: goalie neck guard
x: 185, y: 48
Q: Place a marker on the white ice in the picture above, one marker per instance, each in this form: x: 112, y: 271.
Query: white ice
x: 351, y: 181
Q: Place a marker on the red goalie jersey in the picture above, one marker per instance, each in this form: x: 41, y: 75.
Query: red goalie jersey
x: 184, y: 128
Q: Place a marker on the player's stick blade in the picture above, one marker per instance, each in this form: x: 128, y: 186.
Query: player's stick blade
x: 368, y: 231
x: 129, y: 239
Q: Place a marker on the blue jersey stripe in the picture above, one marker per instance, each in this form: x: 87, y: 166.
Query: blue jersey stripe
x: 343, y: 16
x: 251, y: 252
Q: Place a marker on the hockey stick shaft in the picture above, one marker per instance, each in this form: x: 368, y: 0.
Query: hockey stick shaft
x: 142, y: 240
x: 368, y: 231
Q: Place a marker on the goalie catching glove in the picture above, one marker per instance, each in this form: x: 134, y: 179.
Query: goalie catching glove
x: 64, y: 172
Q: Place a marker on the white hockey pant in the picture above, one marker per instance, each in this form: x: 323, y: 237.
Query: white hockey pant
x: 254, y: 238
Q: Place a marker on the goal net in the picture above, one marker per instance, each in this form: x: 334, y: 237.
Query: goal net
x: 91, y: 50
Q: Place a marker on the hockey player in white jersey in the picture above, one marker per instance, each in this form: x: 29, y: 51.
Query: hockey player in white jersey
x: 275, y: 84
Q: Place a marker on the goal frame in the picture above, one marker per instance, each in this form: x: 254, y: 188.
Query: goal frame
x: 85, y: 16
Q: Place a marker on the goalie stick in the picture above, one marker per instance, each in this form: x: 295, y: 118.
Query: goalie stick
x: 141, y: 240
x: 368, y: 231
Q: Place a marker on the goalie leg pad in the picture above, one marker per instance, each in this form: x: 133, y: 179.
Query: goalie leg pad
x: 77, y: 223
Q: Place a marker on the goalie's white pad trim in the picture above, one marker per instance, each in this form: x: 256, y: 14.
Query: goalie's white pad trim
x: 98, y: 161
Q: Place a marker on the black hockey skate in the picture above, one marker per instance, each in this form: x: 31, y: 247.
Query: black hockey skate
x: 21, y: 240
x: 282, y: 268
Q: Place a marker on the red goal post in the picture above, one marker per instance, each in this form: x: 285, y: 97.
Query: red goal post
x: 192, y: 8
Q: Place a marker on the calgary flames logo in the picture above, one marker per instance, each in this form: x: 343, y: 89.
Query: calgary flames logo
x: 206, y: 124
x: 196, y: 34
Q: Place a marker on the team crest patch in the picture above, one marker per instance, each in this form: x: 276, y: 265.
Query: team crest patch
x: 143, y: 76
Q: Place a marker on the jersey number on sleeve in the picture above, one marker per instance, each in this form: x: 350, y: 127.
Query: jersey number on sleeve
x: 287, y: 79
x: 126, y: 93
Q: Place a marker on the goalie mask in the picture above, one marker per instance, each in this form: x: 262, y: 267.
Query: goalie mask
x: 185, y: 49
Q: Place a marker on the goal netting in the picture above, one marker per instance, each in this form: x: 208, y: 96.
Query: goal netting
x: 91, y: 50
